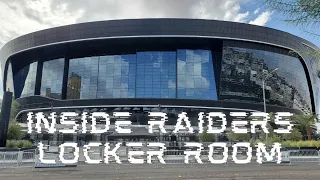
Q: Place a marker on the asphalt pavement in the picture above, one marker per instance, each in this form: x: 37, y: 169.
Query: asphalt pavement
x: 166, y: 172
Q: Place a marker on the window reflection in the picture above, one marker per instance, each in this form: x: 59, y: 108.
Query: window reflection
x: 102, y: 77
x: 313, y: 64
x: 52, y: 76
x: 9, y: 84
x: 116, y: 76
x: 244, y: 69
x: 195, y: 75
x: 156, y: 75
x: 151, y: 74
x: 83, y: 78
x: 25, y: 80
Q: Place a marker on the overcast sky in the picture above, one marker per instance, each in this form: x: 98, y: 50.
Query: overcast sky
x: 19, y: 17
x: 24, y: 16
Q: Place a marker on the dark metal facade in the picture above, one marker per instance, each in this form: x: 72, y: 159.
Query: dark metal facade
x: 55, y: 50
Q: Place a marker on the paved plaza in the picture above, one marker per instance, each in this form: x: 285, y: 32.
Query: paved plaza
x: 166, y: 172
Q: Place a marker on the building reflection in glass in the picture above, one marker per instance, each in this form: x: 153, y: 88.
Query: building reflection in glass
x: 244, y: 69
x: 152, y: 74
x: 313, y: 63
x: 52, y: 77
x: 102, y: 77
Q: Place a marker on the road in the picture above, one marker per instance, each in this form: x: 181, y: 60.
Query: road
x: 166, y: 172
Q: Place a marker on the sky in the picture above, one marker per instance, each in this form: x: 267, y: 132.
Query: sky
x: 19, y: 17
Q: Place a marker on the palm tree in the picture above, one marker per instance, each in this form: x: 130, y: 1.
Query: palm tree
x: 304, y: 123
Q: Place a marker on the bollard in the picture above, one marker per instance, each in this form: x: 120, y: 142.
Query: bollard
x: 2, y: 158
x: 20, y: 156
x: 34, y: 159
x: 192, y: 163
x: 156, y: 164
x: 319, y: 157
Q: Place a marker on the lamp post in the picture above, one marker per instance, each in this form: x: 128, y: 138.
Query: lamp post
x: 264, y: 96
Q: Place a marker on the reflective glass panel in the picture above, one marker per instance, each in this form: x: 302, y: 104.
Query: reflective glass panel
x: 9, y: 84
x: 243, y: 71
x: 156, y: 75
x: 117, y: 76
x: 83, y: 78
x: 102, y: 77
x: 313, y: 64
x: 25, y: 80
x: 195, y: 75
x: 52, y: 77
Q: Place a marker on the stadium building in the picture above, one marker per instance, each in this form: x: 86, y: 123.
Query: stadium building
x: 168, y: 65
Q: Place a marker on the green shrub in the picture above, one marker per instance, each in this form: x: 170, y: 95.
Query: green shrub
x: 238, y: 137
x: 285, y: 144
x: 11, y: 144
x: 271, y: 140
x: 253, y: 143
x: 293, y: 144
x: 27, y: 144
x: 207, y: 137
x: 295, y: 135
x: 274, y: 139
x: 15, y: 131
x: 18, y: 144
x: 300, y: 144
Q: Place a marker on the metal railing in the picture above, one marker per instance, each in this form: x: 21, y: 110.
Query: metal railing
x: 16, y: 158
x: 304, y: 156
x: 171, y: 157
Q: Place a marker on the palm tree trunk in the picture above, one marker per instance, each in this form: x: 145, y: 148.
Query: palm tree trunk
x: 309, y: 133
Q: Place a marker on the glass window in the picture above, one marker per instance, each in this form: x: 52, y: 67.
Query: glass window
x: 144, y: 75
x: 196, y: 78
x: 102, y: 77
x: 156, y: 75
x: 244, y: 69
x: 52, y: 77
x: 25, y: 80
x: 313, y: 64
x: 117, y: 76
x: 83, y: 78
x: 9, y: 84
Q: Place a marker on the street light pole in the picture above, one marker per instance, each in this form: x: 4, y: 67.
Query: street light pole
x: 264, y: 96
x: 264, y: 105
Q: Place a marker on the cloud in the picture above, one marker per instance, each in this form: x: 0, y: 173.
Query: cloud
x: 193, y: 63
x: 228, y: 10
x: 20, y: 17
x: 262, y: 19
x: 256, y: 11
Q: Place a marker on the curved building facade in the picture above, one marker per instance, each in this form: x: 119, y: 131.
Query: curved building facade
x: 162, y: 63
